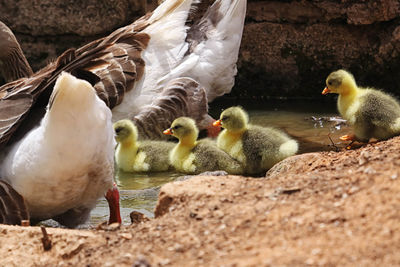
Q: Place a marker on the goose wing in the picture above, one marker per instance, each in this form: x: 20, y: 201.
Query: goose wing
x: 12, y: 205
x: 112, y: 65
x: 180, y: 97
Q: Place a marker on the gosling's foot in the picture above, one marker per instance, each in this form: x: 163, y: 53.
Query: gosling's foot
x: 348, y: 137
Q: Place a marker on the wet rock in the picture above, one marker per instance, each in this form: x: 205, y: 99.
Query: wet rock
x: 297, y: 164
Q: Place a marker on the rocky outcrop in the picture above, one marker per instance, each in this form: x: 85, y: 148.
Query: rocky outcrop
x: 288, y: 47
x: 47, y: 28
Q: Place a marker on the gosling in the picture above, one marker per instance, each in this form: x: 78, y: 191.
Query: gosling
x: 257, y: 148
x: 372, y: 113
x: 192, y: 156
x: 144, y: 156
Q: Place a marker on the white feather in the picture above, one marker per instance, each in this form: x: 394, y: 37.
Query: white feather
x: 212, y: 63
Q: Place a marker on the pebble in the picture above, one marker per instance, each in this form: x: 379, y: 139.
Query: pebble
x: 126, y: 236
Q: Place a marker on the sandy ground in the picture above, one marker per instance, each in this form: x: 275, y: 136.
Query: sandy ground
x: 329, y: 209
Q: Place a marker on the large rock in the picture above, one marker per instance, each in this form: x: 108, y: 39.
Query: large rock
x: 58, y: 18
x: 288, y: 47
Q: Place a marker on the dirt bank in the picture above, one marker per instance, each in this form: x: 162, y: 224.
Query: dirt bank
x: 314, y: 209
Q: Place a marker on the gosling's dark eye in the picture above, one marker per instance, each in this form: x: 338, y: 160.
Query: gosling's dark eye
x: 329, y: 82
x: 177, y: 127
x: 119, y: 129
x: 225, y: 118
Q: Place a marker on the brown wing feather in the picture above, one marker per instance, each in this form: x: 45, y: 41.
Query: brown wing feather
x: 12, y: 205
x: 112, y: 64
x: 181, y: 97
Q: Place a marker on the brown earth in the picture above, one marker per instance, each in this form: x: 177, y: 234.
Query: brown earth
x: 328, y: 208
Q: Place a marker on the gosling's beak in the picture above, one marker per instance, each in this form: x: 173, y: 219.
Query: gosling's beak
x: 326, y: 91
x: 213, y: 129
x: 168, y: 131
x: 217, y: 123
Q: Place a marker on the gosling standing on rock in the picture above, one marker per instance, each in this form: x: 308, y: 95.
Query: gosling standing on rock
x: 372, y: 113
x: 257, y: 148
x: 192, y: 156
x: 144, y: 156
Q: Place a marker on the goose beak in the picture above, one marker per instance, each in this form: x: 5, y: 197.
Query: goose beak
x: 326, y: 91
x: 112, y: 197
x: 217, y: 123
x: 168, y: 131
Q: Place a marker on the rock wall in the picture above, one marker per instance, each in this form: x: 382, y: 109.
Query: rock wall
x: 288, y: 47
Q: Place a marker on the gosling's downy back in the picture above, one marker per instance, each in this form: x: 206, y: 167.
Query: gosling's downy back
x: 191, y: 156
x: 258, y: 148
x: 132, y: 155
x: 371, y: 112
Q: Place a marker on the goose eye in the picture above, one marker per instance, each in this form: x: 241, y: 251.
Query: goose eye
x: 118, y: 130
x: 225, y: 118
x: 329, y: 82
x: 176, y: 127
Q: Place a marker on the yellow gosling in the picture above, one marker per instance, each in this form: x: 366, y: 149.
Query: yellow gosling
x: 134, y: 156
x: 372, y: 113
x: 257, y: 148
x: 192, y: 156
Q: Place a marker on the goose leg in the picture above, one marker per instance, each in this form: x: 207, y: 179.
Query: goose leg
x: 112, y: 197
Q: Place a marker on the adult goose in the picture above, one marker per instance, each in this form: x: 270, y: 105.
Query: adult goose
x: 128, y: 69
x: 65, y: 163
x: 162, y: 47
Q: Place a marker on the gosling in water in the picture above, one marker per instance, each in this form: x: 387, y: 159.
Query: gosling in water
x: 132, y: 155
x: 257, y: 148
x: 192, y: 156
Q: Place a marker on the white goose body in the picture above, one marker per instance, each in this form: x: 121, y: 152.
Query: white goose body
x: 67, y: 161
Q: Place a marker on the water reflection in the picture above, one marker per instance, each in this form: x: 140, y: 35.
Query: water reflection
x: 138, y: 192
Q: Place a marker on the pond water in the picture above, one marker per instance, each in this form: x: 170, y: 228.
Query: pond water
x: 308, y: 122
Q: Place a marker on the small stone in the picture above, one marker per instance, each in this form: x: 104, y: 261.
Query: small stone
x: 138, y: 217
x: 219, y: 214
x: 165, y: 262
x: 141, y: 261
x: 114, y: 226
x: 316, y: 251
x: 126, y: 236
